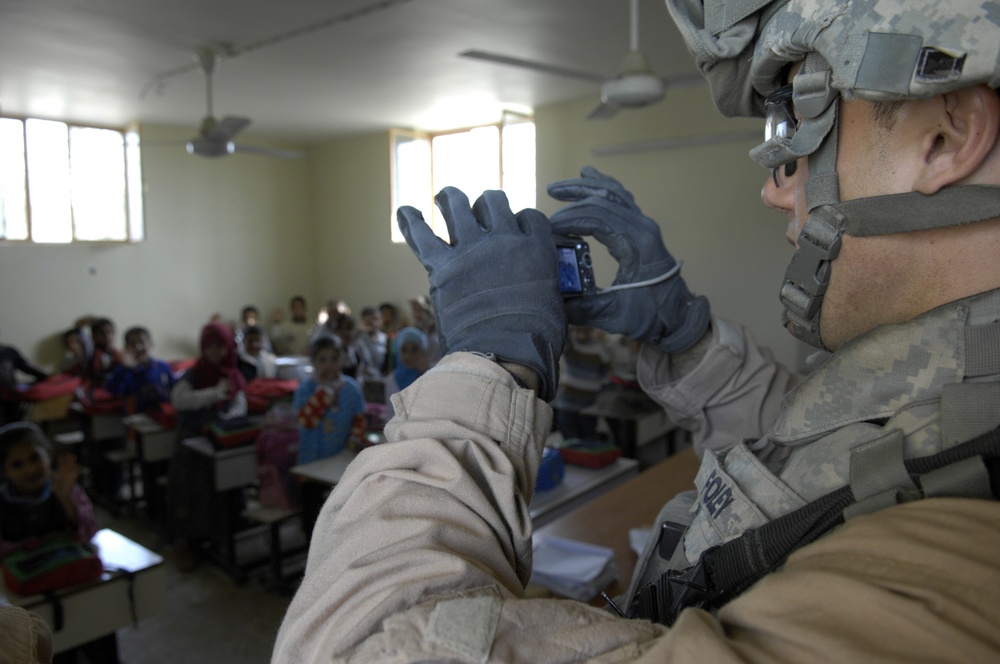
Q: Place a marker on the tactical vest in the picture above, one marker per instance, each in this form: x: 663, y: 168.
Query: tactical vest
x: 897, y: 394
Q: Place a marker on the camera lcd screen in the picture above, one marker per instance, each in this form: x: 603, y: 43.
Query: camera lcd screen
x: 569, y: 272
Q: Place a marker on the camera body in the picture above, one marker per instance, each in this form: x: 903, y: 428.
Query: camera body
x: 576, y: 273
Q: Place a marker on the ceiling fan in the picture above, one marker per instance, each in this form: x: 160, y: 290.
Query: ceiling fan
x: 634, y: 86
x: 215, y: 137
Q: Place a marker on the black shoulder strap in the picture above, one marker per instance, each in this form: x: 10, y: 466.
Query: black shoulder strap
x: 725, y: 571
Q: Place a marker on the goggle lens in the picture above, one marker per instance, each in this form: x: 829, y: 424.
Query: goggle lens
x: 780, y: 114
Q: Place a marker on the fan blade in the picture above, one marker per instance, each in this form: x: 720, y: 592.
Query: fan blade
x: 530, y: 64
x: 267, y: 152
x: 604, y: 111
x: 227, y: 128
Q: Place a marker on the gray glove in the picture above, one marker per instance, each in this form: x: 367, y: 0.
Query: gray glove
x: 495, y: 287
x: 664, y: 314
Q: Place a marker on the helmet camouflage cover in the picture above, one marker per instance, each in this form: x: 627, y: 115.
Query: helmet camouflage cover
x: 875, y: 49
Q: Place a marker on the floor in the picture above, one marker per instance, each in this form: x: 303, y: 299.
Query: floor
x: 208, y: 617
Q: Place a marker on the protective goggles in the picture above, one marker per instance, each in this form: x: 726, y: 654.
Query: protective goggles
x: 780, y: 122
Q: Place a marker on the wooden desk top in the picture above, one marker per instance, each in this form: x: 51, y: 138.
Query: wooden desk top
x: 607, y: 519
x: 325, y: 471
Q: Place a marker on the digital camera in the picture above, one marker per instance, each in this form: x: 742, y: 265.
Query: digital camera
x: 576, y: 274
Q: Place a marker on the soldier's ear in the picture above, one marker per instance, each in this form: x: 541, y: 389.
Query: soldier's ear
x: 961, y: 134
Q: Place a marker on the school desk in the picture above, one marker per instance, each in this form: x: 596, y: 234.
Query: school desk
x: 132, y: 588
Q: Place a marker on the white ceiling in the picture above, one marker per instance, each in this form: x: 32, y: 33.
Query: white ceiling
x: 397, y: 65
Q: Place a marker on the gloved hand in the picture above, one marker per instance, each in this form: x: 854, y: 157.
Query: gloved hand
x: 664, y: 314
x: 495, y: 287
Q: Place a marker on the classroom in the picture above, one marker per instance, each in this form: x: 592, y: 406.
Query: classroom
x: 222, y: 233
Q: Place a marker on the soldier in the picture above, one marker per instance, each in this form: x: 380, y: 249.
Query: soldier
x: 882, y: 125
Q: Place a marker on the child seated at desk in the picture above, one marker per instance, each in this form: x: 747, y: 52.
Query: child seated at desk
x: 255, y: 361
x: 105, y: 356
x: 327, y: 403
x: 11, y: 361
x: 212, y: 389
x: 35, y: 499
x: 411, y: 363
x: 144, y: 382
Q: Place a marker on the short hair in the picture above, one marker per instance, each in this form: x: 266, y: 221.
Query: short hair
x: 344, y: 322
x: 245, y: 310
x: 14, y: 434
x: 368, y: 311
x: 136, y: 329
x: 323, y: 342
x: 98, y: 323
x: 297, y: 298
x: 886, y: 113
x: 71, y: 332
x: 388, y: 305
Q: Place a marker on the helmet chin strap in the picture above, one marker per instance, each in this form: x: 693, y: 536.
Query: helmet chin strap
x: 808, y: 274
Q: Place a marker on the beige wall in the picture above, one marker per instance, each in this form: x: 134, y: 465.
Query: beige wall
x: 251, y: 229
x: 221, y: 233
x: 356, y: 260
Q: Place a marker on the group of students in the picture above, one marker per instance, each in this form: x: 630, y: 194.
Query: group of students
x: 325, y: 409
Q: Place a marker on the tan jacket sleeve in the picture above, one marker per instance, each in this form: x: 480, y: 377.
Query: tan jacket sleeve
x: 421, y: 552
x: 441, y: 506
x: 734, y: 392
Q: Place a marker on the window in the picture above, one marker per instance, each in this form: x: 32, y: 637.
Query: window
x: 500, y: 156
x: 64, y: 183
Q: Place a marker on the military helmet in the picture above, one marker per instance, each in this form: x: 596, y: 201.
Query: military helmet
x: 876, y: 50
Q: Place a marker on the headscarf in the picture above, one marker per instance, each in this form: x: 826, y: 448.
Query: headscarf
x: 405, y: 376
x: 208, y: 374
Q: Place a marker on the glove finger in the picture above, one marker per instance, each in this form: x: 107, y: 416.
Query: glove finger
x: 493, y: 212
x: 600, y: 310
x: 594, y: 217
x: 418, y: 235
x: 458, y: 216
x: 532, y: 222
x: 592, y: 183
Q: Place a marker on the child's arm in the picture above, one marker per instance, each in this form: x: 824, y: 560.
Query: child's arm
x: 64, y: 478
x: 79, y: 510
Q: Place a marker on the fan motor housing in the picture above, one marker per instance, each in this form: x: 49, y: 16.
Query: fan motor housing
x: 636, y: 89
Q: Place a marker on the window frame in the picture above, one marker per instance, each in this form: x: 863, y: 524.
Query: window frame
x: 133, y: 199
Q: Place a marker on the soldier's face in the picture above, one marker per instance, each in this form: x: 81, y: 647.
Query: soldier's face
x: 868, y: 276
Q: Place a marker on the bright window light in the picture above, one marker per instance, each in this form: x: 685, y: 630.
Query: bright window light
x: 13, y: 192
x: 500, y: 156
x: 63, y: 183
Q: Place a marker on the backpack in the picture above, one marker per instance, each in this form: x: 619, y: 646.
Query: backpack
x: 58, y: 562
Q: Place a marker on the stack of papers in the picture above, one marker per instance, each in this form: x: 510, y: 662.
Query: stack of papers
x: 572, y: 569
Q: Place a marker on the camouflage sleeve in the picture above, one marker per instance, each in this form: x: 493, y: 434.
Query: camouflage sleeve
x: 732, y: 392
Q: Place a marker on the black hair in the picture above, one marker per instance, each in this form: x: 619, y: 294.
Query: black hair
x: 323, y: 342
x: 14, y: 434
x: 252, y: 329
x: 297, y: 298
x: 388, y: 305
x: 98, y: 323
x: 248, y: 308
x: 344, y: 322
x: 72, y: 332
x: 136, y: 329
x: 368, y: 311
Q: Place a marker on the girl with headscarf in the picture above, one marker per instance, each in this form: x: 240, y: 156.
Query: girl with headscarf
x: 211, y: 390
x: 411, y: 362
